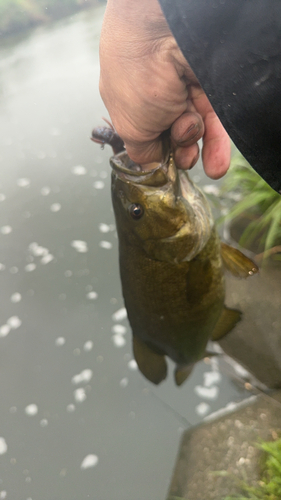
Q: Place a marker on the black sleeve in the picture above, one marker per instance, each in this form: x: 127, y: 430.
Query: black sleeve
x: 234, y: 49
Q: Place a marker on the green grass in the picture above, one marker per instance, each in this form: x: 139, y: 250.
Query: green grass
x: 259, y: 203
x: 269, y: 486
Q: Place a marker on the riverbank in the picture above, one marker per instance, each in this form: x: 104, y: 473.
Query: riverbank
x: 18, y: 15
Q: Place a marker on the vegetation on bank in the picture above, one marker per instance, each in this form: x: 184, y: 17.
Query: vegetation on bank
x: 269, y: 486
x: 258, y: 204
x: 18, y: 15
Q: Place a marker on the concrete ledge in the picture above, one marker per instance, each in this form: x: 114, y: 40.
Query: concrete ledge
x: 225, y: 441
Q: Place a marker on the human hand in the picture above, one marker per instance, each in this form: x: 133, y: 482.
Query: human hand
x: 148, y: 87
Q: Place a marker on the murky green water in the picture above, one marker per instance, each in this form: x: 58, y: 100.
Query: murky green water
x: 77, y: 420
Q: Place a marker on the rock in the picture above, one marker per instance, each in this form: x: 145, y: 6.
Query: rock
x: 256, y: 340
x: 225, y: 442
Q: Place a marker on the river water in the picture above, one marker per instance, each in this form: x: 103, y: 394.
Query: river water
x: 77, y: 420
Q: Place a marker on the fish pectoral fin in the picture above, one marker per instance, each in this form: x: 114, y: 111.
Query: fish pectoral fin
x: 226, y: 322
x: 181, y: 373
x: 237, y: 263
x: 152, y: 365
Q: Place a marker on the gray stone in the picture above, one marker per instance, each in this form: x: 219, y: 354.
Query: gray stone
x: 225, y: 443
x: 256, y: 340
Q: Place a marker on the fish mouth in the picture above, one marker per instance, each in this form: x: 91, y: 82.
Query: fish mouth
x: 129, y: 171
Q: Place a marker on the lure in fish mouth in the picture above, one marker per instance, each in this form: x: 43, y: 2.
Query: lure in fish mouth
x: 171, y: 265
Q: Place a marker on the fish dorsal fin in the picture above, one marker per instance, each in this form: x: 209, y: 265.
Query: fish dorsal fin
x: 182, y: 373
x: 152, y: 365
x: 237, y: 263
x: 226, y: 322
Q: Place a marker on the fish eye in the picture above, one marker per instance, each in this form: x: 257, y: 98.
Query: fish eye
x: 136, y: 211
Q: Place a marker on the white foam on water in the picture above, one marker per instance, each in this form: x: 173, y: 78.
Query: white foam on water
x: 2, y: 197
x: 119, y: 329
x: 105, y: 244
x: 120, y: 314
x: 47, y: 258
x: 37, y: 250
x: 2, y: 267
x: 6, y: 229
x: 15, y: 297
x: 79, y: 170
x: 202, y: 409
x: 80, y: 246
x: 31, y: 410
x: 124, y: 382
x: 88, y: 346
x: 207, y: 392
x: 4, y: 330
x: 55, y: 207
x: 44, y: 422
x: 211, y: 378
x: 99, y: 184
x: 60, y: 341
x: 84, y: 376
x: 45, y: 191
x: 14, y: 322
x: 70, y: 408
x: 23, y: 182
x: 3, y: 446
x: 118, y: 340
x: 79, y: 395
x: 104, y: 228
x: 92, y: 295
x: 89, y: 461
x: 30, y: 267
x: 3, y: 494
x: 132, y: 365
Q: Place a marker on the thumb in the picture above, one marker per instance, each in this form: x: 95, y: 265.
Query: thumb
x: 146, y: 152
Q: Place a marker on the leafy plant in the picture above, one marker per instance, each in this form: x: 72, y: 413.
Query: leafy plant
x: 260, y: 203
x: 269, y: 487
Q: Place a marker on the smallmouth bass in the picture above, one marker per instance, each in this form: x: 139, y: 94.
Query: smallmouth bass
x: 171, y: 264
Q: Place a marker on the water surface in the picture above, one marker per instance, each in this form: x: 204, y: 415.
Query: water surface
x: 77, y: 420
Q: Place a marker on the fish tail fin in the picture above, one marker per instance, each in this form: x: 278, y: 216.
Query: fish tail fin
x: 226, y: 322
x: 182, y: 373
x: 151, y: 364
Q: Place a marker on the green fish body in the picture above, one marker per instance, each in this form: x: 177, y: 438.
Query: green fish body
x: 171, y: 266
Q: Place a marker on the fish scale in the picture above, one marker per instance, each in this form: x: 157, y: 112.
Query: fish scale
x: 171, y: 264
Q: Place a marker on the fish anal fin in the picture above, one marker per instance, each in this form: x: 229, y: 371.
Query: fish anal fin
x: 226, y: 322
x: 237, y: 263
x: 152, y: 365
x: 182, y: 373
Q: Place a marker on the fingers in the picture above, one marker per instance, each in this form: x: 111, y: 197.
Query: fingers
x: 216, y: 150
x: 145, y: 152
x: 185, y: 132
x: 186, y: 158
x: 187, y: 129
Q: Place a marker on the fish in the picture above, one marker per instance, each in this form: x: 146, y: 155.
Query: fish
x: 172, y: 263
